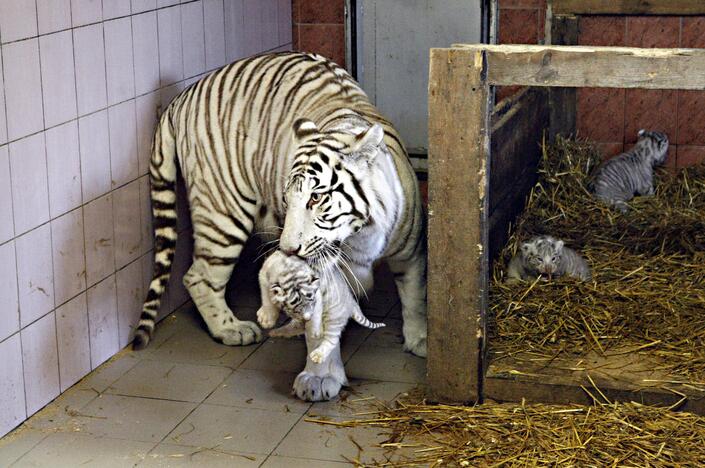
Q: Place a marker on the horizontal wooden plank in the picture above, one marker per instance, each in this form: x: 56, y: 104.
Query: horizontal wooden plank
x: 629, y: 7
x: 585, y: 66
x: 622, y: 377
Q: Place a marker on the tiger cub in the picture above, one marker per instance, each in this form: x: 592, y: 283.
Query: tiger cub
x: 547, y: 256
x: 320, y: 308
x: 621, y: 178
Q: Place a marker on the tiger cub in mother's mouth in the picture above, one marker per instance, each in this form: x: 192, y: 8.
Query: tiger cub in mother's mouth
x: 621, y: 178
x: 546, y: 256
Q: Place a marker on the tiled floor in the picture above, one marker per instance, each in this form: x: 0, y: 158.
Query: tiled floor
x: 188, y: 400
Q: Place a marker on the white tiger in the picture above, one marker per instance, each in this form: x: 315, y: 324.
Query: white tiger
x: 320, y: 308
x: 285, y: 136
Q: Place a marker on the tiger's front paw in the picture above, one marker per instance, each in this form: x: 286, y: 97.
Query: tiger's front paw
x: 266, y: 317
x: 311, y: 387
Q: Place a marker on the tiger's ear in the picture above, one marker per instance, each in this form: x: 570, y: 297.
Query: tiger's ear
x: 525, y: 247
x: 304, y: 129
x: 641, y: 133
x: 373, y: 136
x: 365, y: 146
x: 559, y: 244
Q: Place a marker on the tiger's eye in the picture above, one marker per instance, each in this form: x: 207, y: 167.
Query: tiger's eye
x: 315, y: 198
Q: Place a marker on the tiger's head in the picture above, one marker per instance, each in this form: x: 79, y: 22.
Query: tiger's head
x: 542, y: 255
x: 656, y: 143
x: 324, y: 197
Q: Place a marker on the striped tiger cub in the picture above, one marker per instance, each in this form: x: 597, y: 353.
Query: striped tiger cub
x: 285, y: 140
x: 621, y: 178
x: 319, y: 307
x: 548, y: 257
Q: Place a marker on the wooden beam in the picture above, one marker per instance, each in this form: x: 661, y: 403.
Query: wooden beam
x: 458, y: 158
x: 584, y: 66
x: 629, y: 7
x: 563, y: 101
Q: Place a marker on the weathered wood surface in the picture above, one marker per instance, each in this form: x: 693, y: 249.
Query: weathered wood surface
x: 585, y: 66
x: 563, y: 101
x: 458, y: 178
x: 623, y: 377
x: 629, y: 7
x: 518, y: 125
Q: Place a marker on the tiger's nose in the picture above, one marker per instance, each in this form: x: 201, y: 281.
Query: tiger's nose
x: 289, y: 251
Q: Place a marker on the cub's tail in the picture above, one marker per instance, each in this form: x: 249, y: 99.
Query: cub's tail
x: 365, y: 322
x: 162, y: 176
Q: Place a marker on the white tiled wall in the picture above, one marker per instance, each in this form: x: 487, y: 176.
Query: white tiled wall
x: 81, y: 85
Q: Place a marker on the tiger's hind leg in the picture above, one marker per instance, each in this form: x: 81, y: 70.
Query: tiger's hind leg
x: 213, y: 264
x: 410, y: 278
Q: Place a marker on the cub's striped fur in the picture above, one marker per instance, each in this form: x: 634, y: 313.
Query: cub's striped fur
x: 547, y: 256
x: 321, y: 307
x: 276, y: 127
x: 631, y: 173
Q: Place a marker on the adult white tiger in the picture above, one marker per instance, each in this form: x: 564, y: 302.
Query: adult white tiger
x: 286, y: 136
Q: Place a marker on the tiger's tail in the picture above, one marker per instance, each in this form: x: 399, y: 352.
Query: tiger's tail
x: 365, y: 322
x: 162, y: 177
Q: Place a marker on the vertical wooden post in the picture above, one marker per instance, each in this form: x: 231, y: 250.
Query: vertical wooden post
x: 563, y: 101
x: 458, y: 249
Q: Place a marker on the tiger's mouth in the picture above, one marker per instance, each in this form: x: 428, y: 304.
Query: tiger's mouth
x: 324, y: 255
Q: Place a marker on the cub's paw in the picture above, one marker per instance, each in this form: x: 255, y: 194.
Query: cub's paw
x: 310, y: 387
x: 238, y: 333
x: 266, y: 318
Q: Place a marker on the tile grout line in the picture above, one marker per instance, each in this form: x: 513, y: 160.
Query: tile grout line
x: 51, y: 230
x: 197, y: 405
x: 271, y: 453
x: 93, y: 23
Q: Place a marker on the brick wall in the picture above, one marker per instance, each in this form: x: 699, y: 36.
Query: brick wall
x: 318, y: 26
x: 612, y: 117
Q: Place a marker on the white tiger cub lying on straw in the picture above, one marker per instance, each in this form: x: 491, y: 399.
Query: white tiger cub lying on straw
x: 546, y: 256
x: 320, y: 308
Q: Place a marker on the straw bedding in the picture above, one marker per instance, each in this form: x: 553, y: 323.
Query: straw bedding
x: 616, y: 434
x: 647, y: 295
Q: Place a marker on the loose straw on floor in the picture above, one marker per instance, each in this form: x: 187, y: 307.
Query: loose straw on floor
x: 606, y: 434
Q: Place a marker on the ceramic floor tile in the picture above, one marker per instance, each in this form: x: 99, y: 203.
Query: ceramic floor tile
x: 328, y: 442
x: 276, y: 461
x: 191, y: 343
x: 109, y: 371
x: 390, y: 336
x: 269, y: 390
x: 279, y: 354
x: 86, y: 451
x: 360, y: 397
x: 353, y: 336
x: 238, y: 429
x: 170, y: 455
x: 388, y: 364
x: 63, y: 414
x: 379, y: 303
x: 17, y: 443
x: 140, y: 419
x: 170, y: 381
x: 395, y: 312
